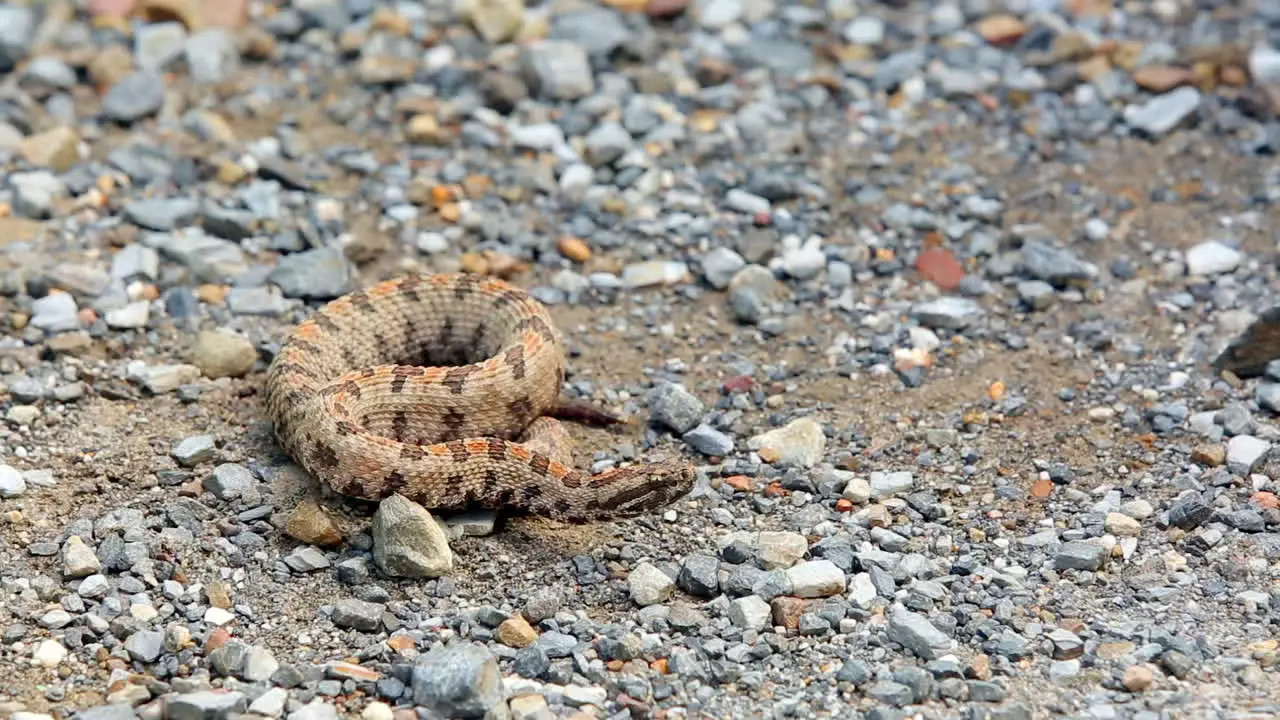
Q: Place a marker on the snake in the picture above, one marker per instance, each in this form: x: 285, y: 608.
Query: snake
x: 446, y: 389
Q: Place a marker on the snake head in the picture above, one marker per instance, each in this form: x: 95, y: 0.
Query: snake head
x: 637, y: 490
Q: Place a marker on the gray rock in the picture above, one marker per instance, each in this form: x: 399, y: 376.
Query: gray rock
x: 889, y: 484
x: 1037, y: 294
x: 461, y: 680
x: 1054, y: 265
x: 1079, y: 555
x: 35, y: 192
x: 606, y: 143
x: 1236, y: 419
x: 210, y: 259
x: 229, y: 481
x: 1267, y: 395
x: 50, y: 72
x: 146, y: 645
x: 947, y: 313
x: 55, y: 313
x: 256, y: 301
x: 138, y: 95
x: 1189, y: 513
x: 194, y: 450
x: 710, y: 441
x: 917, y: 634
x: 408, y: 542
x: 306, y: 559
x: 270, y: 703
x: 864, y: 30
x: 114, y: 711
x: 720, y: 265
x: 699, y: 575
x: 892, y: 693
x: 558, y: 70
x: 320, y: 274
x: 206, y: 704
x: 158, y: 45
x: 358, y: 614
x: 317, y: 709
x: 17, y: 30
x: 1245, y: 453
x: 229, y: 660
x: 649, y: 586
x: 211, y: 55
x: 162, y: 213
x: 745, y: 202
x: 674, y: 407
x: 134, y: 262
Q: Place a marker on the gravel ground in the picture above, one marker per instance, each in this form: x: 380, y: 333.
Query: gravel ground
x: 929, y: 292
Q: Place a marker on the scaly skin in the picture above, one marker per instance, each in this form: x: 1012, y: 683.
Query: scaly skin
x: 440, y: 387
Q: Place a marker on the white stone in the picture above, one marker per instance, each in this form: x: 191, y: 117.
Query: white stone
x: 218, y: 616
x: 815, y: 579
x: 649, y: 585
x: 49, y: 653
x: 1212, y: 258
x: 1245, y: 453
x: 270, y: 703
x: 862, y: 591
x: 750, y: 612
x: 12, y: 484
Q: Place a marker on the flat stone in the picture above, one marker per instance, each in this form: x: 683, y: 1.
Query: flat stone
x: 947, y: 313
x: 917, y: 634
x: 1079, y: 555
x: 358, y: 614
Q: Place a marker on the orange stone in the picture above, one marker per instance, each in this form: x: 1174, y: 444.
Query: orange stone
x: 400, y: 643
x: 218, y: 637
x: 775, y: 489
x: 940, y: 267
x: 843, y: 505
x: 1041, y: 488
x: 576, y: 249
x: 1209, y: 455
x: 1001, y: 29
x: 212, y: 294
x: 1265, y: 500
x: 741, y: 483
x: 1161, y: 78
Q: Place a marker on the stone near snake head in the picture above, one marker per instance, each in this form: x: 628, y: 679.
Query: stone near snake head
x: 442, y: 388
